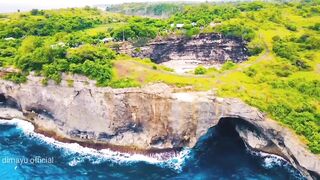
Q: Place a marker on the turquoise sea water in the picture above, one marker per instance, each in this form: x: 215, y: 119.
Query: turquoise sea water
x: 219, y: 155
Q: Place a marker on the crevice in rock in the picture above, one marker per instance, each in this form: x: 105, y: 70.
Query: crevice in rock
x: 130, y: 127
x: 77, y: 94
x: 8, y: 101
x: 40, y: 111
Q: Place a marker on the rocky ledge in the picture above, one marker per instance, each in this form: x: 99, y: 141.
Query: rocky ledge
x: 153, y: 118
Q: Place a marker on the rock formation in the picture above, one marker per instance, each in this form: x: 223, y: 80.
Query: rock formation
x: 205, y: 48
x: 154, y: 117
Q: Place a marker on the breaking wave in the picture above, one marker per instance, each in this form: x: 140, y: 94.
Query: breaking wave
x: 214, y: 157
x: 94, y: 156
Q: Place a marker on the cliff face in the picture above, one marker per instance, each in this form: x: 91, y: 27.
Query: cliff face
x: 145, y: 118
x: 205, y: 48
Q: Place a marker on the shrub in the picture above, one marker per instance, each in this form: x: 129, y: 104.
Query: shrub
x: 154, y: 67
x: 253, y: 6
x: 251, y: 72
x: 255, y: 47
x: 44, y: 81
x: 276, y: 38
x: 16, y: 77
x: 35, y: 12
x: 291, y: 27
x: 228, y: 65
x: 124, y: 83
x: 200, y: 70
x: 165, y: 68
x: 70, y: 82
x: 237, y: 30
x: 51, y: 71
x: 315, y: 27
x: 192, y: 31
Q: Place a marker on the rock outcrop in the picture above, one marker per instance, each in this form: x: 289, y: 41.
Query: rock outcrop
x: 205, y: 48
x: 154, y: 117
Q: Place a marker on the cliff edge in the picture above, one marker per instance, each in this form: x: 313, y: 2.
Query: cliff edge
x: 152, y: 118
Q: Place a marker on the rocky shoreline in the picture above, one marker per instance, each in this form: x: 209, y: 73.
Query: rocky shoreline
x: 153, y: 119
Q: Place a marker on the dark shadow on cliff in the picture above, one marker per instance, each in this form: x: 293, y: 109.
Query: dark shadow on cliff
x: 7, y: 101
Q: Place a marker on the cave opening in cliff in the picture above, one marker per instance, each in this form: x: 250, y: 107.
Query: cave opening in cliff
x: 223, y: 139
x: 7, y: 101
x: 2, y: 99
x: 222, y: 147
x: 222, y: 152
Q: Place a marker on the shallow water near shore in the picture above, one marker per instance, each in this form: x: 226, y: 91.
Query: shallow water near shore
x: 220, y: 154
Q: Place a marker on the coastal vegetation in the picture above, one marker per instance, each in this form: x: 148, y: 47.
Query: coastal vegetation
x: 147, y: 9
x: 281, y: 76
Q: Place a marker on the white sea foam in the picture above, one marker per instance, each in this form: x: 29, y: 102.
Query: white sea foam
x: 24, y: 125
x: 69, y: 150
x: 270, y: 160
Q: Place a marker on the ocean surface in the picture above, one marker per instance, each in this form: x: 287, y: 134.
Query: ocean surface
x: 219, y: 155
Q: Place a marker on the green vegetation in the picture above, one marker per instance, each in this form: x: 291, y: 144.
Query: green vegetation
x: 123, y: 83
x: 147, y: 9
x: 16, y: 77
x: 44, y: 23
x: 291, y: 47
x: 281, y: 76
x: 228, y: 66
x: 53, y: 42
x: 137, y: 28
x: 236, y: 30
x: 200, y: 70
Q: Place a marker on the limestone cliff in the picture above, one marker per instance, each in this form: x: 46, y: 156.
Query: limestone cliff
x: 204, y: 49
x: 154, y: 117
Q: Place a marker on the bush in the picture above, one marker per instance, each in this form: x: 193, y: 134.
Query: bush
x: 253, y: 6
x: 237, y: 30
x: 51, y: 71
x: 35, y: 12
x: 16, y: 77
x: 70, y: 82
x: 291, y: 27
x: 154, y: 67
x: 134, y: 31
x: 200, y: 70
x: 276, y: 38
x: 98, y: 71
x: 124, y: 83
x: 251, y: 72
x: 315, y: 27
x: 228, y: 65
x: 309, y: 42
x: 255, y: 47
x: 193, y: 31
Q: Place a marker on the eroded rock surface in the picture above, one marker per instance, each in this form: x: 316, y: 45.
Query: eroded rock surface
x: 154, y: 116
x: 184, y: 54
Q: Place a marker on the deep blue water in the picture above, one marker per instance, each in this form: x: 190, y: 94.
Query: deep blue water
x: 219, y: 155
